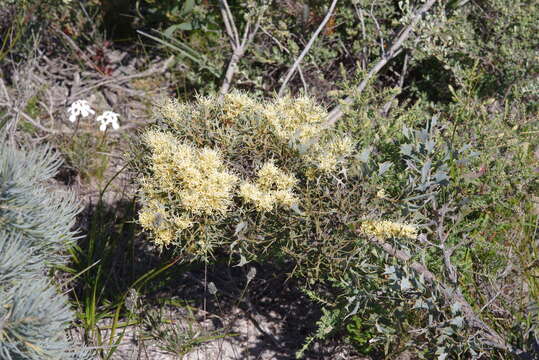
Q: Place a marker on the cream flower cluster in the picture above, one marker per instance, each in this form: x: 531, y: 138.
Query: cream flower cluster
x: 193, y: 182
x: 326, y: 156
x: 385, y: 229
x: 197, y: 177
x: 236, y: 103
x: 295, y: 119
x: 273, y: 187
x: 82, y: 108
x: 165, y: 226
x: 301, y: 123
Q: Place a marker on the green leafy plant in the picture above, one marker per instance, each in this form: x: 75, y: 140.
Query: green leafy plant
x: 268, y: 180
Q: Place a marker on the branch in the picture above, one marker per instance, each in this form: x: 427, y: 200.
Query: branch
x: 452, y: 295
x: 238, y: 48
x: 364, y: 36
x: 230, y: 26
x: 294, y: 67
x: 395, y: 49
x: 35, y: 123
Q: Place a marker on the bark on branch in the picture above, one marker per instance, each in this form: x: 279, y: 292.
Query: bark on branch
x: 294, y: 67
x: 238, y: 45
x: 394, y: 50
x: 452, y: 295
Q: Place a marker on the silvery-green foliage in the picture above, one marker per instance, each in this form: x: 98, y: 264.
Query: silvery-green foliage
x: 16, y: 259
x: 42, y: 217
x: 34, y: 318
x: 406, y: 311
x: 428, y: 159
x: 414, y: 314
x: 35, y: 228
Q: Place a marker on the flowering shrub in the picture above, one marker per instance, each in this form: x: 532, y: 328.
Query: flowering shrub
x: 266, y: 180
x: 221, y: 173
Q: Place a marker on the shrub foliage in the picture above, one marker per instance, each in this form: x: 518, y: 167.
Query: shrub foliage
x: 271, y: 181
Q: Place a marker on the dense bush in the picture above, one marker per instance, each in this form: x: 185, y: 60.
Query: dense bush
x: 412, y: 219
x: 36, y: 225
x: 270, y: 180
x: 215, y: 173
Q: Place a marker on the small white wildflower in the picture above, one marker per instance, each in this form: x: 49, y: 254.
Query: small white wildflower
x: 79, y: 107
x: 108, y: 117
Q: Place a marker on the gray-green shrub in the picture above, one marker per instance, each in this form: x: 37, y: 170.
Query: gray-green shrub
x: 36, y: 224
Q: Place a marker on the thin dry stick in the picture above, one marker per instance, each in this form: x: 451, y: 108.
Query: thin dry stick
x: 35, y: 123
x: 388, y: 104
x: 238, y: 48
x: 294, y: 67
x: 364, y: 36
x: 453, y: 295
x: 283, y: 48
x: 158, y: 68
x: 395, y: 49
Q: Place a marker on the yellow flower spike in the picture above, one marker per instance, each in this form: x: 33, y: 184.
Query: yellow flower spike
x: 263, y: 201
x: 146, y: 218
x: 298, y: 119
x: 272, y: 187
x: 182, y: 222
x: 326, y: 162
x: 342, y: 146
x: 196, y: 177
x: 171, y: 109
x: 209, y: 158
x: 270, y: 176
x: 164, y: 236
x: 385, y: 229
x: 381, y: 194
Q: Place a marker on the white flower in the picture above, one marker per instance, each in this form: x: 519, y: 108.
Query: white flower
x: 79, y: 107
x: 108, y: 117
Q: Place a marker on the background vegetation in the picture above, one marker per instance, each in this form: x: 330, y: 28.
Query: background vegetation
x: 381, y: 156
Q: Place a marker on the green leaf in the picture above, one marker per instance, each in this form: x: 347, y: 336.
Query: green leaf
x: 187, y: 7
x: 186, y: 26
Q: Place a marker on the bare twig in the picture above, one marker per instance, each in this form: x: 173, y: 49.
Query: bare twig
x: 230, y: 26
x: 359, y: 12
x: 238, y: 47
x: 387, y: 105
x: 302, y: 79
x: 35, y: 123
x: 78, y: 51
x: 294, y: 67
x: 446, y: 252
x: 395, y: 49
x: 283, y: 48
x: 379, y: 30
x: 156, y: 69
